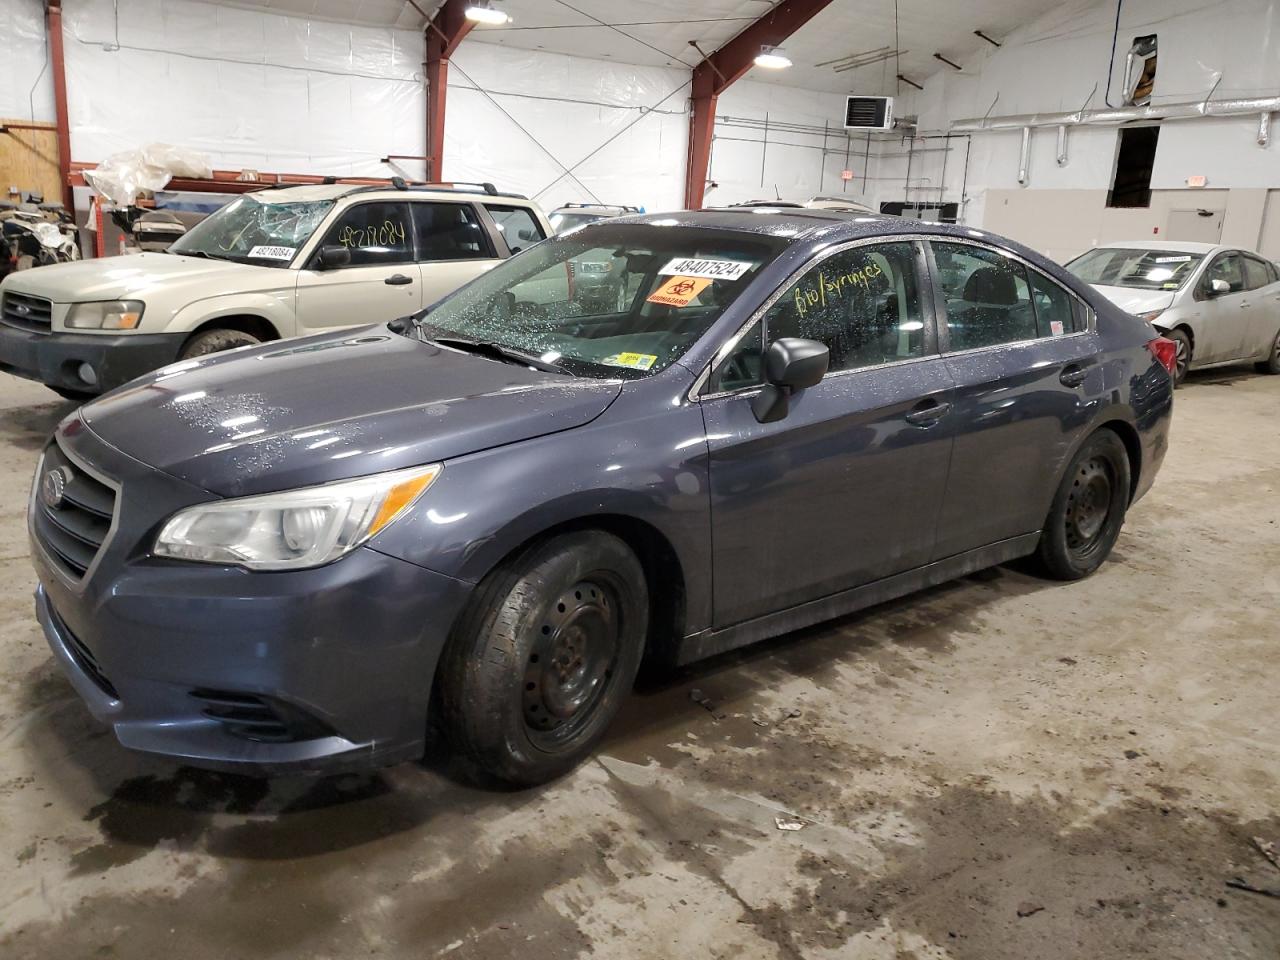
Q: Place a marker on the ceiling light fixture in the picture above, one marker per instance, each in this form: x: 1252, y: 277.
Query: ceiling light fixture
x: 483, y: 11
x: 772, y: 58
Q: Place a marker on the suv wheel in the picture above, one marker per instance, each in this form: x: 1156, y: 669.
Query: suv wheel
x: 1088, y: 510
x: 215, y: 341
x: 542, y: 659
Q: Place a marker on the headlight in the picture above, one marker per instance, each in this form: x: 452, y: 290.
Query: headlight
x: 1150, y: 315
x: 105, y: 315
x: 296, y: 528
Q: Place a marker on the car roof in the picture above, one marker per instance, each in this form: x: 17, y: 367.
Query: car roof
x: 595, y: 208
x: 1172, y: 246
x: 784, y: 221
x: 307, y: 192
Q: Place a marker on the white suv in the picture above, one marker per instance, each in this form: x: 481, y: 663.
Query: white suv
x: 274, y: 263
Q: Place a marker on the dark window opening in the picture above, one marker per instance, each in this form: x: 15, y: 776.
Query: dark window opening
x: 1134, y: 163
x: 922, y: 210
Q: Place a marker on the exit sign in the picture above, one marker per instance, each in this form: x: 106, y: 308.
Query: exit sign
x: 846, y: 174
x: 1197, y: 181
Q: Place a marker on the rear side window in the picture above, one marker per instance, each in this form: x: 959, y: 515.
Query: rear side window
x: 518, y: 226
x: 1055, y: 313
x: 375, y: 233
x: 863, y: 303
x: 987, y: 296
x: 449, y: 231
x: 1256, y: 273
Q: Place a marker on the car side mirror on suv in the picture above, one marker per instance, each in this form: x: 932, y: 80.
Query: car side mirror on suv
x: 332, y: 256
x: 790, y: 364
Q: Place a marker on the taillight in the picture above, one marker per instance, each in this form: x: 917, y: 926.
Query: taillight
x: 1166, y: 351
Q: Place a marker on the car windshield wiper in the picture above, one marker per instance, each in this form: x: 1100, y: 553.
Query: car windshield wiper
x: 499, y: 351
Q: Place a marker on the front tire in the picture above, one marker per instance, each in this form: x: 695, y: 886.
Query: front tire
x: 1182, y: 358
x: 215, y: 341
x: 1272, y: 363
x: 539, y: 664
x: 1088, y: 510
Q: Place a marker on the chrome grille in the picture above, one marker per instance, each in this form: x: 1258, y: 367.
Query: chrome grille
x: 73, y: 530
x: 26, y: 312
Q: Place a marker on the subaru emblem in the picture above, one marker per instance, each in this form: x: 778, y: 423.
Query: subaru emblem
x: 21, y: 309
x: 53, y: 486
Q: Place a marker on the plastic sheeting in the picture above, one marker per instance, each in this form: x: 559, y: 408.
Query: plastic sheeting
x: 122, y: 176
x: 248, y: 88
x: 25, y: 53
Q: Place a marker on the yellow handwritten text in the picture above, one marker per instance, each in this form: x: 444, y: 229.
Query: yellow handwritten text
x: 389, y: 233
x: 826, y: 288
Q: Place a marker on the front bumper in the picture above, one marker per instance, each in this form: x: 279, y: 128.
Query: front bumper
x: 55, y: 358
x: 343, y: 655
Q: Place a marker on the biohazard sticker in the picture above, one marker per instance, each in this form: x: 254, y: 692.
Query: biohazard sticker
x: 634, y: 361
x: 710, y: 269
x: 678, y: 291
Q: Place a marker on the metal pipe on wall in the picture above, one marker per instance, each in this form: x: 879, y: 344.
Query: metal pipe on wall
x: 1264, y: 129
x: 1062, y: 145
x: 1169, y: 111
x: 1024, y: 157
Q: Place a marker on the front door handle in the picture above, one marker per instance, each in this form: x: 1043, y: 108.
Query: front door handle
x: 1073, y: 375
x: 927, y: 412
x: 397, y: 280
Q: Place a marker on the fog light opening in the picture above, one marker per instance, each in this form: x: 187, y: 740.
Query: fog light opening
x: 86, y: 373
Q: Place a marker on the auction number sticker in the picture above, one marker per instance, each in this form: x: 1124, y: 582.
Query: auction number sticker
x: 633, y: 361
x: 678, y: 291
x: 709, y: 269
x: 273, y: 253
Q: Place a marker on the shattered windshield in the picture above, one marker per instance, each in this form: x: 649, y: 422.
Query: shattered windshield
x: 249, y: 230
x: 608, y: 300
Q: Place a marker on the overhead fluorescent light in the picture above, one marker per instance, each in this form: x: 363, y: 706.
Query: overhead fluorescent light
x: 485, y: 12
x: 772, y: 58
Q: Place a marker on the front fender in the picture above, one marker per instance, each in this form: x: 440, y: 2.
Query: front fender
x: 274, y: 306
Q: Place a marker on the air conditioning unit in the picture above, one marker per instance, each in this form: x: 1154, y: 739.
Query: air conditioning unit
x: 868, y: 113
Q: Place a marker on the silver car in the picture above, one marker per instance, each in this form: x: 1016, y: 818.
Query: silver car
x: 1218, y: 304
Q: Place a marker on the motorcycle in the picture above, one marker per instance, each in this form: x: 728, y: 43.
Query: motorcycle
x: 34, y: 233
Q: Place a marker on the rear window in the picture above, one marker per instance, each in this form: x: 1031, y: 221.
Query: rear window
x: 1138, y: 268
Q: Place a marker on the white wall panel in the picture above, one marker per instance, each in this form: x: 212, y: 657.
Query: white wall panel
x: 27, y: 91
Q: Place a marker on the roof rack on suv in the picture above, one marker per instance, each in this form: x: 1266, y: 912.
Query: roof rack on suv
x: 607, y: 206
x: 398, y: 183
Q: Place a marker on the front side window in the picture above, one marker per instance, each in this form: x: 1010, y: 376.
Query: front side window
x: 661, y: 292
x: 518, y: 226
x: 863, y: 303
x: 449, y: 231
x: 1228, y: 269
x: 376, y: 233
x: 1143, y: 269
x: 254, y: 230
x: 987, y: 297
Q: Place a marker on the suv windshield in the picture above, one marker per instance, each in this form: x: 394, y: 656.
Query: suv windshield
x: 250, y: 230
x: 654, y: 292
x: 1145, y: 269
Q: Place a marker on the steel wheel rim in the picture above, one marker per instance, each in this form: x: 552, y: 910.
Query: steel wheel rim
x: 571, y: 661
x: 1089, y: 506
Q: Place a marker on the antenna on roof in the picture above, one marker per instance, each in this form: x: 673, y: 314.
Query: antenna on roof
x: 399, y: 184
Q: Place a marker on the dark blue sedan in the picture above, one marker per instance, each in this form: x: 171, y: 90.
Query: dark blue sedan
x: 479, y: 520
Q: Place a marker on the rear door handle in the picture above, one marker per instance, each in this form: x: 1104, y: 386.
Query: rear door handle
x: 1073, y: 375
x: 397, y: 280
x: 927, y: 412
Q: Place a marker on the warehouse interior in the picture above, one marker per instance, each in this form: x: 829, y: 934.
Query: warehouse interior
x: 995, y: 765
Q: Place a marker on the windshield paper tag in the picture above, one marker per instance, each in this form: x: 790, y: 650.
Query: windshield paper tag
x: 1182, y: 259
x: 635, y: 361
x: 678, y: 291
x: 710, y: 269
x: 273, y: 253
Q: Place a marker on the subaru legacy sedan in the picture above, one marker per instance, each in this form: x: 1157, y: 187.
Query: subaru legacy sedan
x: 475, y: 522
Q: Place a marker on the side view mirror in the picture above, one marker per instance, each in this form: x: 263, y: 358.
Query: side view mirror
x: 332, y: 256
x: 790, y: 364
x: 1218, y: 286
x: 527, y: 235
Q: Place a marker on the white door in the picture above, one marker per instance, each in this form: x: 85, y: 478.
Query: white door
x: 381, y: 281
x: 1195, y: 226
x: 1224, y: 334
x: 453, y: 246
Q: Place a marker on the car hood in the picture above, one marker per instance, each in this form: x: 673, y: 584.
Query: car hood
x: 140, y: 276
x: 1133, y: 300
x: 332, y: 407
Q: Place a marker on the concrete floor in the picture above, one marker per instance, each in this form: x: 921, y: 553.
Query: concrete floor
x: 1096, y: 756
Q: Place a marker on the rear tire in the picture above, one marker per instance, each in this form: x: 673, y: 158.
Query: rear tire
x: 540, y: 662
x: 1088, y: 510
x: 77, y: 396
x: 1183, y: 356
x: 1272, y: 363
x: 215, y: 341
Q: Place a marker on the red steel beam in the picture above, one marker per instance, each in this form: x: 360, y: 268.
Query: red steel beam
x: 53, y: 26
x: 444, y: 32
x: 717, y: 72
